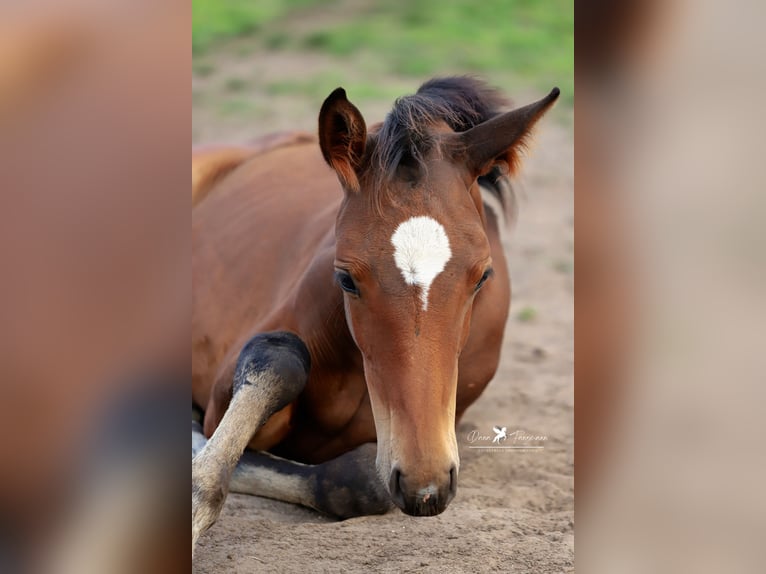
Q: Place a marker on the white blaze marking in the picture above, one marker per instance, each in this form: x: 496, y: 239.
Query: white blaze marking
x: 421, y: 250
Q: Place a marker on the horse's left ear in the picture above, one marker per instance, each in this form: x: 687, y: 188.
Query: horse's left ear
x: 342, y: 137
x: 502, y: 138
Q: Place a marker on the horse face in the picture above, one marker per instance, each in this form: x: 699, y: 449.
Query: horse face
x: 411, y: 256
x: 410, y: 273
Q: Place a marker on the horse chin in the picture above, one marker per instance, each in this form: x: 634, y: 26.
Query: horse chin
x: 416, y: 507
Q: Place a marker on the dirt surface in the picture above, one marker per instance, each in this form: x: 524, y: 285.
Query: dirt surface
x: 514, y: 509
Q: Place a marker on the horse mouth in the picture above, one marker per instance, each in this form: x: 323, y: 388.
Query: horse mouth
x: 430, y: 500
x: 416, y: 507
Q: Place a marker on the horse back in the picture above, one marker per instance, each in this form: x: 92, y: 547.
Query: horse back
x: 210, y: 164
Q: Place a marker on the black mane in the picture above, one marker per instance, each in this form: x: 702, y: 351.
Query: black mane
x: 405, y: 136
x: 461, y: 102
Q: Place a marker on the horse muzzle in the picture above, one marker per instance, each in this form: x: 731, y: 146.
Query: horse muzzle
x: 417, y: 499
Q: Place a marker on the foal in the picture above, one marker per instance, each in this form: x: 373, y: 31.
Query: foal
x: 310, y: 375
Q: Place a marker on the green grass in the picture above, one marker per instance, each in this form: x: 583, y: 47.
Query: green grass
x: 236, y: 107
x: 236, y: 85
x: 563, y: 266
x: 203, y: 69
x: 318, y: 86
x: 216, y: 20
x: 527, y: 315
x: 529, y: 40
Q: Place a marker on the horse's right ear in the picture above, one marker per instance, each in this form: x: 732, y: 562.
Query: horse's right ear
x: 342, y: 137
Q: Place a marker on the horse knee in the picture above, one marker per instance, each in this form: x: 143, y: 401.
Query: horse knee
x: 276, y: 364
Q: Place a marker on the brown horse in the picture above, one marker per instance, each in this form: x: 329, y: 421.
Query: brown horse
x: 330, y: 317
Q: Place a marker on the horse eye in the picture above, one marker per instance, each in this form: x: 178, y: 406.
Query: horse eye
x: 487, y: 274
x: 346, y: 282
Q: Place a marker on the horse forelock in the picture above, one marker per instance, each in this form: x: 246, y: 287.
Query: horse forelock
x: 408, y: 134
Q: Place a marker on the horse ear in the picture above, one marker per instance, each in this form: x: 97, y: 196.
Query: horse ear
x: 342, y: 137
x: 503, y: 138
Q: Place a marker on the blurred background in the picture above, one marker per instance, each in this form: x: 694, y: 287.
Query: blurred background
x: 268, y: 65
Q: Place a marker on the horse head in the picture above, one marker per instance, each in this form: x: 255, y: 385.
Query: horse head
x: 412, y: 255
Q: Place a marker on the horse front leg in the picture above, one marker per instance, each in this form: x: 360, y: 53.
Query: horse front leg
x: 344, y: 487
x: 271, y: 372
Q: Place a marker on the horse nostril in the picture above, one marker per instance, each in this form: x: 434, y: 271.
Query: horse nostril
x: 395, y: 487
x: 453, y: 480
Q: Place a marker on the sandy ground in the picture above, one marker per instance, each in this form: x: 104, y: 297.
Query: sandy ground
x: 514, y: 510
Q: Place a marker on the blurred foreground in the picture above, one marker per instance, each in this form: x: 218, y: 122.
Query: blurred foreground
x: 669, y: 299
x: 94, y: 248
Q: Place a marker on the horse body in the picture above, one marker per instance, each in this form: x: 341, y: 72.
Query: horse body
x: 337, y: 308
x: 264, y: 245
